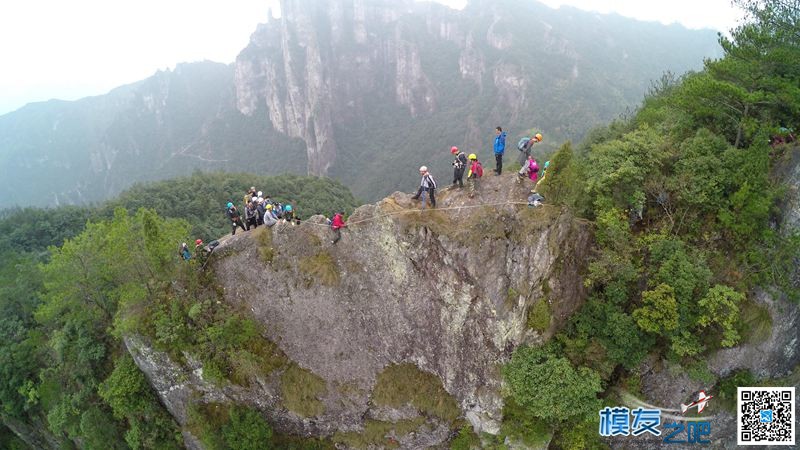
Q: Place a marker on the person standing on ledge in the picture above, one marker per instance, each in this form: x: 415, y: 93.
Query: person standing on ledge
x: 426, y: 186
x: 499, y: 149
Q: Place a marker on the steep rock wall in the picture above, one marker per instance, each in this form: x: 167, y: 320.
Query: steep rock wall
x: 354, y: 77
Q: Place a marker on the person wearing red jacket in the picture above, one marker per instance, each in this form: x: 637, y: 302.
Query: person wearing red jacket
x: 336, y: 225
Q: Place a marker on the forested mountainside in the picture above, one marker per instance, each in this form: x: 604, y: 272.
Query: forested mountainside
x: 663, y: 262
x: 348, y: 88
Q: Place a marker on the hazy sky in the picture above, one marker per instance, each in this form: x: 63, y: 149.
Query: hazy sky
x: 71, y: 49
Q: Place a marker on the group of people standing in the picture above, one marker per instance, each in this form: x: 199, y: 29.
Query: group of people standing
x: 259, y: 210
x: 262, y: 210
x: 469, y: 165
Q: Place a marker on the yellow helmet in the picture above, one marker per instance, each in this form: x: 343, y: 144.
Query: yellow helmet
x: 539, y: 136
x: 472, y: 156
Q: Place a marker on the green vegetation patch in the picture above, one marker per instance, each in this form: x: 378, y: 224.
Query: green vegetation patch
x: 321, y: 268
x: 539, y: 316
x: 301, y: 390
x: 379, y: 434
x: 524, y: 427
x: 131, y: 397
x: 466, y: 439
x: 221, y: 426
x: 401, y: 384
x: 726, y: 391
x: 263, y: 238
x: 756, y: 323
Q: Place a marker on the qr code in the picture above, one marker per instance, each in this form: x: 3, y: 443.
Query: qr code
x: 765, y: 416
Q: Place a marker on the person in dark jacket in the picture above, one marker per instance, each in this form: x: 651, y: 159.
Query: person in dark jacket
x: 499, y: 149
x: 261, y: 210
x: 426, y: 185
x: 459, y: 166
x: 235, y: 218
x: 251, y: 215
x: 336, y: 225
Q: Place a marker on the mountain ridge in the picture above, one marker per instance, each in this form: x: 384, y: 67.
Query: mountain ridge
x: 402, y: 79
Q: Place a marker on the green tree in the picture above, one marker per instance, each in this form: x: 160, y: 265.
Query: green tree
x: 659, y: 311
x: 720, y: 309
x: 246, y: 430
x: 549, y: 387
x: 131, y: 398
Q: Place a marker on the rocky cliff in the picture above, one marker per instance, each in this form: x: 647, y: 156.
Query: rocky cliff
x: 352, y: 77
x: 333, y: 85
x: 447, y: 292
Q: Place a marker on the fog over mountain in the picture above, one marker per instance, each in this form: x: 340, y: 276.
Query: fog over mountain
x: 360, y: 90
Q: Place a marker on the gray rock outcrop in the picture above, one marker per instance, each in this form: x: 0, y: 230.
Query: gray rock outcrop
x: 447, y: 290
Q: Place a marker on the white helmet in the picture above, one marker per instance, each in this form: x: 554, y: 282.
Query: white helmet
x: 260, y: 199
x: 260, y: 194
x: 423, y: 169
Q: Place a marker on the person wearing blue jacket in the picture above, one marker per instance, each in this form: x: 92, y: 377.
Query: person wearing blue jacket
x: 499, y: 149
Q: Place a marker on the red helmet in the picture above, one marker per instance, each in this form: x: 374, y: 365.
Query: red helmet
x: 454, y: 150
x: 198, y: 242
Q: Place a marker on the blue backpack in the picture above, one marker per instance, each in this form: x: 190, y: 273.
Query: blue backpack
x: 522, y: 143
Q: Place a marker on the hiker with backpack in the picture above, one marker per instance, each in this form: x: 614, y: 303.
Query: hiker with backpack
x: 499, y: 149
x: 251, y: 215
x: 202, y: 252
x: 336, y: 225
x: 475, y: 173
x: 235, y: 218
x: 530, y: 169
x: 288, y: 213
x: 261, y: 209
x: 248, y: 196
x: 525, y: 145
x: 459, y: 166
x: 184, y: 252
x: 426, y: 185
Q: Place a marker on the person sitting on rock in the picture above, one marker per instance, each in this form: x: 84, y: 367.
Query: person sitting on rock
x: 269, y: 216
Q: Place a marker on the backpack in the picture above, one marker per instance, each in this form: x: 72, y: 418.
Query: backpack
x: 522, y: 143
x: 461, y: 160
x: 431, y: 182
x: 478, y: 169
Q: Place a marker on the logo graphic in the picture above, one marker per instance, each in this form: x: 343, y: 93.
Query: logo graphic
x: 646, y: 419
x: 700, y: 403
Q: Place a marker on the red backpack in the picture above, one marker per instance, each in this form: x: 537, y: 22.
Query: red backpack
x: 478, y: 169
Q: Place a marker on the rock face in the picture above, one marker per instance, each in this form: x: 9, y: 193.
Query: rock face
x: 447, y: 290
x: 778, y: 355
x: 351, y: 77
x: 347, y: 88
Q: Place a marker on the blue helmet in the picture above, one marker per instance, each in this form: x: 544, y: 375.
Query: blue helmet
x: 230, y: 204
x: 288, y: 208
